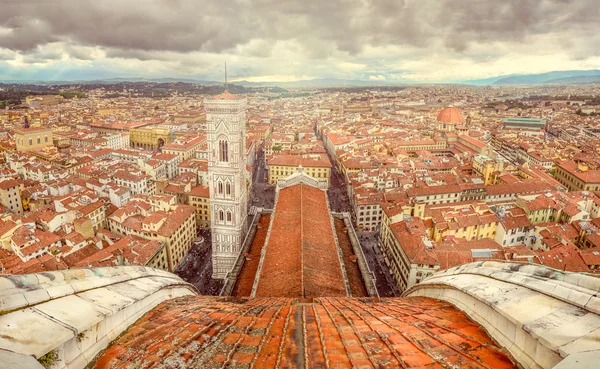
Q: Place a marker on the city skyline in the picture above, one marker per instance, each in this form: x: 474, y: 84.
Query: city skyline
x: 386, y: 42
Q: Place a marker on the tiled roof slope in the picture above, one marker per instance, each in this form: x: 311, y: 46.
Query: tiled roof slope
x: 211, y: 332
x: 301, y: 258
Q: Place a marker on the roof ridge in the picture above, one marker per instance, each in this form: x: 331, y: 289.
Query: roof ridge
x: 302, y: 237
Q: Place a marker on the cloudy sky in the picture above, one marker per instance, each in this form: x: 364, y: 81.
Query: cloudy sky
x: 283, y: 40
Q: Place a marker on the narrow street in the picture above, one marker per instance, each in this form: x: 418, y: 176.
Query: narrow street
x: 196, y: 266
x: 263, y: 193
x: 384, y: 280
x: 337, y: 192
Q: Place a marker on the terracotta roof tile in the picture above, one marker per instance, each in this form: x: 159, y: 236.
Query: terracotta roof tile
x: 301, y: 258
x: 206, y: 332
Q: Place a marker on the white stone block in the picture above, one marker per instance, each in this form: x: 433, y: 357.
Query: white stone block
x: 74, y: 311
x: 29, y: 333
x: 107, y: 299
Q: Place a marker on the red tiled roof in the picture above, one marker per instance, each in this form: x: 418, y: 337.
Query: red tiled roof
x: 450, y: 115
x: 343, y: 333
x: 296, y: 160
x: 301, y: 259
x: 225, y: 96
x: 245, y: 279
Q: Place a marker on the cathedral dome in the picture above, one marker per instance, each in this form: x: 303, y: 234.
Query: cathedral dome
x: 487, y: 314
x: 450, y: 115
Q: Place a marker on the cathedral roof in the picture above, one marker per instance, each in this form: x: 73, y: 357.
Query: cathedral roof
x: 211, y: 332
x: 301, y: 257
x: 225, y: 96
x: 486, y: 314
x: 450, y: 115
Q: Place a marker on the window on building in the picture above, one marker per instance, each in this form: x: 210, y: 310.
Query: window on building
x: 228, y: 189
x: 221, y: 215
x: 220, y: 188
x: 229, y: 216
x: 223, y: 151
x: 30, y: 141
x: 38, y: 140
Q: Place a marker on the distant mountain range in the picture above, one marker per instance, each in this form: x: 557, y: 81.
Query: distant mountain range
x: 557, y: 77
x: 319, y: 82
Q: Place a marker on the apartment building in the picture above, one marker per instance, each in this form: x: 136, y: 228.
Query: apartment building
x: 10, y: 196
x: 317, y: 166
x: 33, y: 138
x: 176, y: 228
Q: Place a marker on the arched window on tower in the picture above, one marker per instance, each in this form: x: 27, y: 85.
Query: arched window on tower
x: 221, y: 215
x: 228, y: 216
x: 223, y: 151
x: 220, y: 188
x: 228, y: 188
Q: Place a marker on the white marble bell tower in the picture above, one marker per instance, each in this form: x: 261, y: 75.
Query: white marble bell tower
x: 226, y: 118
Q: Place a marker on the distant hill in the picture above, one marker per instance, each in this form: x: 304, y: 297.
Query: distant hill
x: 115, y: 80
x: 550, y: 77
x: 575, y: 80
x: 484, y: 81
x: 317, y: 82
x: 558, y: 77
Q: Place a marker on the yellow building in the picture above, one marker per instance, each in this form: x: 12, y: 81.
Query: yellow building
x: 10, y: 196
x: 317, y: 166
x: 579, y: 175
x: 160, y: 259
x: 199, y: 198
x: 149, y: 138
x: 191, y: 116
x: 175, y: 228
x: 486, y: 166
x: 109, y: 111
x: 437, y: 143
x: 43, y: 100
x: 471, y: 220
x: 184, y: 147
x: 541, y: 209
x: 33, y: 138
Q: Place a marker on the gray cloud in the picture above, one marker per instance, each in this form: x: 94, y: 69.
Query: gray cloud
x: 218, y: 25
x: 191, y: 33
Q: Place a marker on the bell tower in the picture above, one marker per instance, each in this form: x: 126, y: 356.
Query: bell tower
x: 226, y: 136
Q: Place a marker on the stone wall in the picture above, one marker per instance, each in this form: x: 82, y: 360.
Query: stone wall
x: 74, y: 314
x: 544, y: 317
x: 367, y: 274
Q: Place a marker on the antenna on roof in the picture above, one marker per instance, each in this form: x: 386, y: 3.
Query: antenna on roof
x: 225, y: 76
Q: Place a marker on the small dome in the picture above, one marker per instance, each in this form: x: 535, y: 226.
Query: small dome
x: 450, y: 115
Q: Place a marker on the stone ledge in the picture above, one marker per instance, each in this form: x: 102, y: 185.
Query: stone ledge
x: 20, y: 291
x: 541, y: 315
x: 577, y: 289
x: 78, y: 312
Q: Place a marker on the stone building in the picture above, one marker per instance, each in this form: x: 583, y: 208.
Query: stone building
x: 10, y: 196
x: 226, y: 117
x: 33, y: 138
x: 149, y: 137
